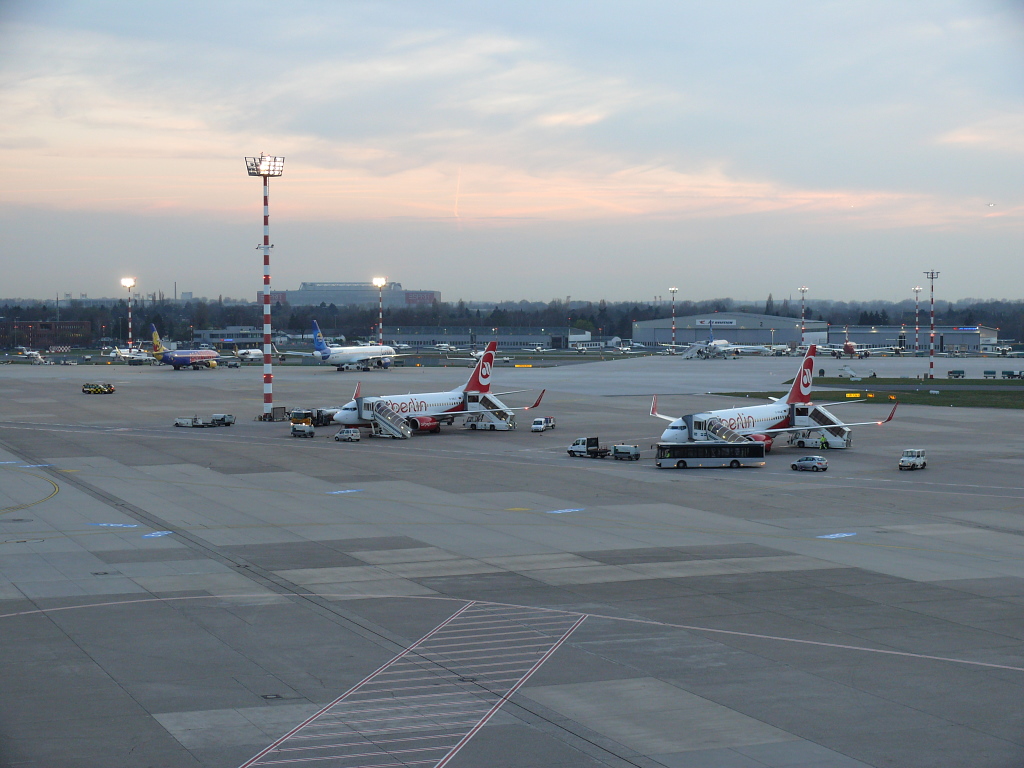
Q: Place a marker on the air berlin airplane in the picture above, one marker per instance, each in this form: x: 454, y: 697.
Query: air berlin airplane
x: 758, y: 422
x: 427, y: 411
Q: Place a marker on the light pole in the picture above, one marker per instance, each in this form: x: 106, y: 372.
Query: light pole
x: 917, y: 314
x: 266, y: 167
x: 129, y: 283
x: 931, y: 275
x: 673, y: 291
x: 380, y: 282
x: 803, y: 295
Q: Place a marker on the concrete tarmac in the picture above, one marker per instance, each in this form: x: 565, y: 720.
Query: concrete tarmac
x: 235, y: 597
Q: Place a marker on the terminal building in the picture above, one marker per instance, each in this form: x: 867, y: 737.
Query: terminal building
x: 353, y: 295
x: 735, y: 327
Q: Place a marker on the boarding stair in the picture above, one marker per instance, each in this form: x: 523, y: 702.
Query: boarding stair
x: 386, y: 422
x: 818, y: 422
x: 722, y: 432
x: 487, y: 412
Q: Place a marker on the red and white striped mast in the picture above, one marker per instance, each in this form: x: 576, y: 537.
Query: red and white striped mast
x: 266, y: 167
x: 917, y: 315
x: 931, y: 275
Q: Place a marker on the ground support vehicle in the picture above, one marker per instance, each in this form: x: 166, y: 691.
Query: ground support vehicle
x: 303, y: 430
x: 1013, y: 374
x: 955, y: 374
x: 542, y: 423
x: 588, y: 446
x: 197, y: 422
x: 710, y: 453
x: 222, y: 420
x: 810, y: 464
x: 913, y: 458
x: 348, y: 435
x: 98, y: 388
x: 626, y: 452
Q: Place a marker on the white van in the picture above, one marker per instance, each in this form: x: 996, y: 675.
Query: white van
x: 348, y: 435
x: 913, y: 458
x: 542, y: 423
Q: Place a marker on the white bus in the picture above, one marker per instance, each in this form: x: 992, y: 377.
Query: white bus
x: 710, y: 454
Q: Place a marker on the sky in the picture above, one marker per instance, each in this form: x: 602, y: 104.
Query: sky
x: 527, y: 150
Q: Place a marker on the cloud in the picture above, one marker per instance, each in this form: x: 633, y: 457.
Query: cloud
x: 1004, y: 133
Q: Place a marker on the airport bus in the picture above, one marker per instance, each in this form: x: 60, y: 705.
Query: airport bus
x: 710, y: 454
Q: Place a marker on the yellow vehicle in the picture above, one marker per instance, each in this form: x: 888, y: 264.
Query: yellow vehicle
x: 98, y: 389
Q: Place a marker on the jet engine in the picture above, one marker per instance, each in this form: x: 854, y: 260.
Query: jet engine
x: 211, y: 363
x: 766, y: 439
x: 424, y: 424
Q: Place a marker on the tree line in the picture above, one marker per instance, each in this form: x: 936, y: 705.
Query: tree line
x: 176, y: 320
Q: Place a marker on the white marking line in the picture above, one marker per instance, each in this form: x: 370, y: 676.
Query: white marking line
x: 262, y: 597
x: 393, y: 701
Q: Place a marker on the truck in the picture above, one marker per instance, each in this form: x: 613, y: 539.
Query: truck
x: 913, y: 458
x: 302, y: 423
x: 588, y: 446
x: 542, y: 423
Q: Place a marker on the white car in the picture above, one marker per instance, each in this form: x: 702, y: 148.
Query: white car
x: 348, y: 435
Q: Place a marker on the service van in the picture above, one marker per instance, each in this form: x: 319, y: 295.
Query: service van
x: 913, y: 458
x: 542, y: 423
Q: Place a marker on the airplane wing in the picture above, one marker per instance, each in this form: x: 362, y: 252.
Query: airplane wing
x: 654, y: 411
x: 493, y: 410
x: 841, y: 424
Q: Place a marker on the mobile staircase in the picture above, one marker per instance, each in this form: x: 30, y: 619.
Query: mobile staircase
x: 818, y: 422
x: 486, y: 412
x: 721, y: 432
x: 384, y: 422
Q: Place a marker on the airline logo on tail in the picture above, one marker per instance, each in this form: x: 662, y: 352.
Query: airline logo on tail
x: 480, y: 380
x: 318, y: 342
x: 801, y: 389
x: 158, y: 347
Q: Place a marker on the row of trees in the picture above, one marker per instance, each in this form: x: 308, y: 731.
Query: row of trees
x: 176, y: 320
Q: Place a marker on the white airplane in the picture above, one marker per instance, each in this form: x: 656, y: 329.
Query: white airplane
x: 720, y: 348
x: 361, y: 356
x: 132, y: 354
x: 31, y: 356
x: 427, y: 411
x: 474, y: 356
x: 861, y: 351
x: 539, y: 348
x: 445, y: 347
x: 758, y: 422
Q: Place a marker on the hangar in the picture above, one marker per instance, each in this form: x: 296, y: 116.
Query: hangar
x: 737, y: 327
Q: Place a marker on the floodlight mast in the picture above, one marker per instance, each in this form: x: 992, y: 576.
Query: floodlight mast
x: 266, y: 166
x: 379, y: 283
x: 129, y: 283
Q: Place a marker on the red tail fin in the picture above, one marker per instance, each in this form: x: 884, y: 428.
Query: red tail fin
x: 480, y: 380
x: 800, y: 392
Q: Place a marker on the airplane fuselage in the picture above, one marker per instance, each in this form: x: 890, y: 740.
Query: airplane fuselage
x: 350, y: 355
x: 437, y: 405
x: 180, y: 358
x: 751, y: 420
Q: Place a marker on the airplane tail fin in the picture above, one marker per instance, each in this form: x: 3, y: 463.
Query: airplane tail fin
x: 158, y: 347
x: 800, y: 392
x: 480, y: 379
x: 359, y: 389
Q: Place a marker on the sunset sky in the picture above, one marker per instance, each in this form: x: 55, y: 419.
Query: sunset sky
x: 516, y: 150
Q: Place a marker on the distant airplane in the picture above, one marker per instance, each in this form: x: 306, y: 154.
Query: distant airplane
x: 720, y: 347
x: 853, y: 349
x: 183, y: 358
x: 474, y: 356
x: 363, y: 356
